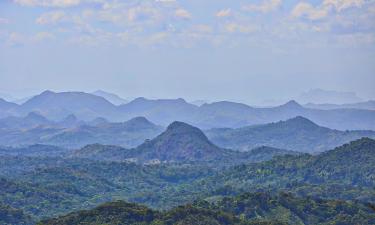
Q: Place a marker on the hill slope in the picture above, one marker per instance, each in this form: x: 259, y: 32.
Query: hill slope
x: 127, y: 134
x: 71, y: 133
x: 298, y: 134
x: 180, y: 142
x: 346, y: 172
x: 256, y: 208
x: 11, y: 216
x: 7, y: 108
x: 112, y: 98
x: 57, y: 106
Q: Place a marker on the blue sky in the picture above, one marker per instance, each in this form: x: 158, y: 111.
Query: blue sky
x: 247, y: 51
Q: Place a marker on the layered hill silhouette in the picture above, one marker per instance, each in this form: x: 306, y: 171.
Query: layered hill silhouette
x: 7, y: 108
x: 112, y: 98
x: 369, y: 105
x: 73, y: 133
x: 180, y: 142
x: 298, y: 134
x: 56, y: 106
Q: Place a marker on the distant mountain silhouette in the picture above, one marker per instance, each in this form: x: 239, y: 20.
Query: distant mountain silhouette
x: 73, y: 133
x: 70, y: 121
x: 163, y: 111
x: 128, y: 134
x: 7, y: 108
x: 234, y: 115
x: 298, y: 134
x: 320, y: 96
x: 32, y: 120
x: 112, y: 98
x: 57, y: 106
x: 368, y: 105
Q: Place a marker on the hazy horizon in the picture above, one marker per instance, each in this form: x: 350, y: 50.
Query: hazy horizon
x: 303, y: 98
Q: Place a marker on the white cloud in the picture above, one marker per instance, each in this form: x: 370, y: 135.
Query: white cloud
x: 182, y: 13
x: 265, y: 7
x: 51, y: 18
x: 15, y: 39
x: 239, y: 28
x: 340, y: 5
x: 42, y: 36
x: 224, y: 13
x: 304, y: 9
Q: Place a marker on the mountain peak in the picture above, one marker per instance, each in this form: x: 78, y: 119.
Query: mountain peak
x: 139, y: 122
x: 140, y: 119
x: 178, y: 127
x: 300, y: 119
x: 111, y: 97
x: 47, y: 92
x: 180, y: 141
x: 36, y: 117
x: 292, y: 103
x: 140, y: 99
x: 70, y: 120
x: 70, y: 117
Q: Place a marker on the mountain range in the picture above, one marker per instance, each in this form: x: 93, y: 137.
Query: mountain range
x: 320, y: 96
x: 180, y: 142
x: 73, y: 133
x: 298, y: 134
x: 112, y: 98
x: 368, y: 105
x: 57, y: 106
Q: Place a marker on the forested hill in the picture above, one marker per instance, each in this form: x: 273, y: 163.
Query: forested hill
x: 297, y: 134
x: 346, y: 172
x: 246, y: 209
x: 11, y: 216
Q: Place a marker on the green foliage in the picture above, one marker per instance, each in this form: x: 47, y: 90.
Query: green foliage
x: 11, y: 216
x: 250, y: 208
x: 49, y: 187
x: 344, y: 173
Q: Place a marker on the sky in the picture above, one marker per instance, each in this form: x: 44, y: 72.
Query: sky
x: 248, y: 51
